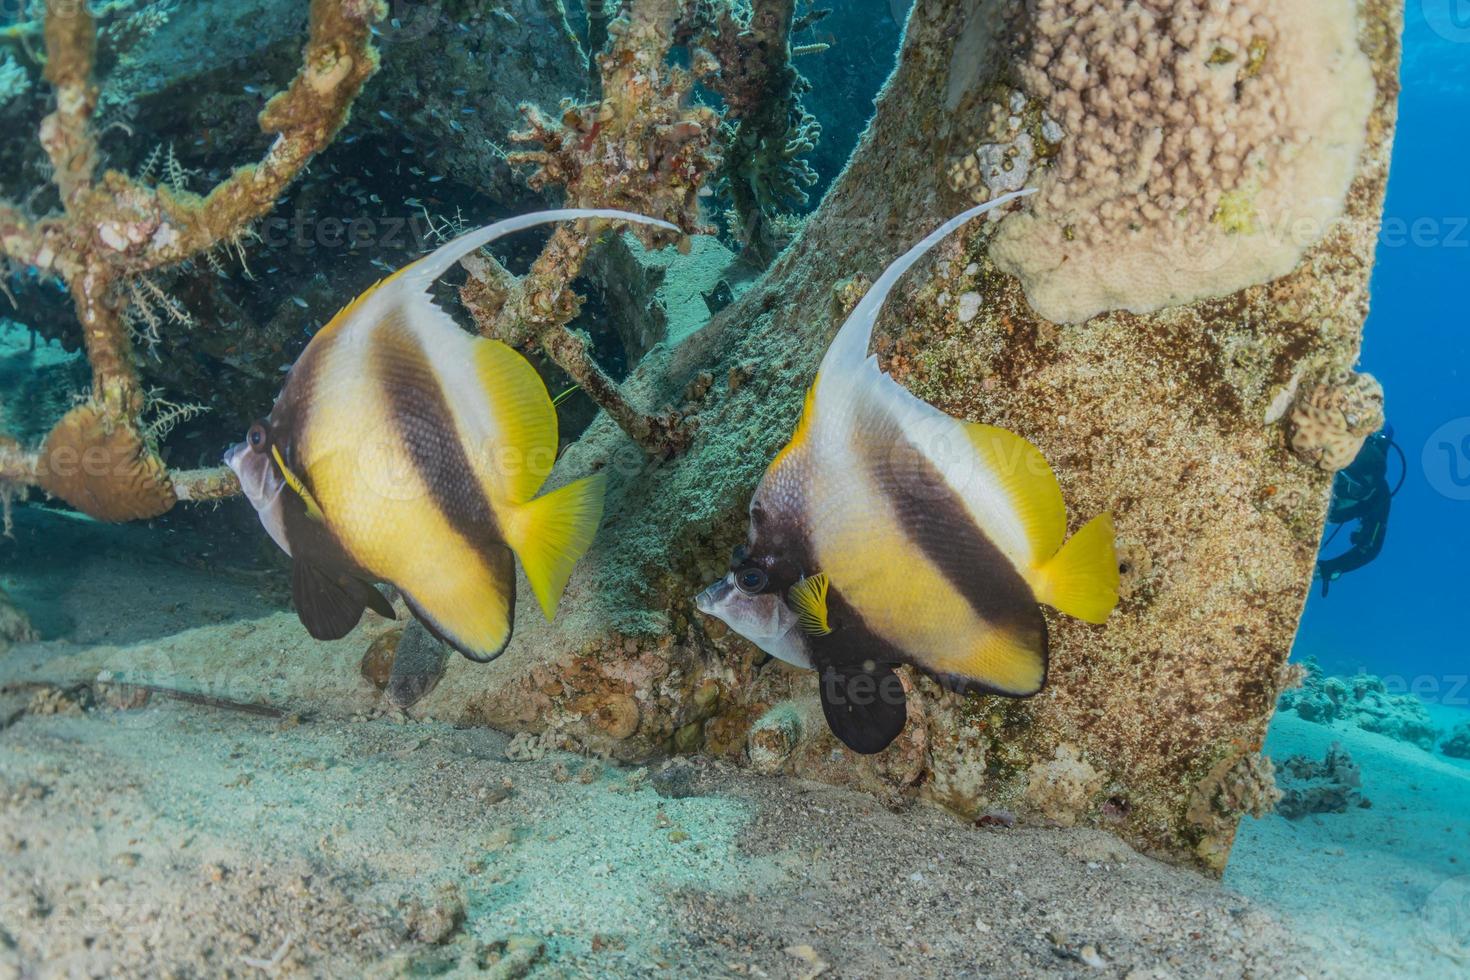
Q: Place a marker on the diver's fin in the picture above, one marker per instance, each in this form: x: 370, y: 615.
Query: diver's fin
x: 809, y: 598
x: 550, y: 533
x: 1082, y: 579
x: 866, y: 709
x: 521, y: 408
x: 330, y: 607
x: 1027, y: 480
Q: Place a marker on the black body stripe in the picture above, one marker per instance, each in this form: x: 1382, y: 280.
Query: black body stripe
x: 933, y: 517
x: 422, y: 419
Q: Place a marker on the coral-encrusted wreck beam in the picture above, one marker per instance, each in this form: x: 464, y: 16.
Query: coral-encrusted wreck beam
x: 100, y: 458
x: 1173, y: 319
x: 641, y: 148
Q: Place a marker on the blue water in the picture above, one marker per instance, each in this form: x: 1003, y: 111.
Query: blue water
x: 1406, y: 613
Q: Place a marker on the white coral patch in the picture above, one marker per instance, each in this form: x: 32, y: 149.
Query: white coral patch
x: 969, y: 307
x: 113, y: 235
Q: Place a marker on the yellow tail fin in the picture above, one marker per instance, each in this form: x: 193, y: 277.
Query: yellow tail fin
x: 550, y: 533
x: 1081, y: 580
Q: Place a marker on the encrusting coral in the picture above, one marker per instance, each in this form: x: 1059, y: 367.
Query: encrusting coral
x: 1329, y: 421
x: 1240, y: 784
x: 643, y: 147
x: 745, y: 56
x: 115, y: 230
x: 1191, y: 149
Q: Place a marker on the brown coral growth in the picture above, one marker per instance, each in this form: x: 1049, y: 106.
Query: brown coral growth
x: 1330, y: 420
x: 643, y: 147
x: 113, y: 231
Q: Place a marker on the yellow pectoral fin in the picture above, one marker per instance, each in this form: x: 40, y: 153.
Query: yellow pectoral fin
x: 313, y: 510
x: 809, y: 598
x: 549, y: 534
x: 1082, y: 579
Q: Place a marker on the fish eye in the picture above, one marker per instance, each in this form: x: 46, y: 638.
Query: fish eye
x: 750, y: 580
x: 258, y: 437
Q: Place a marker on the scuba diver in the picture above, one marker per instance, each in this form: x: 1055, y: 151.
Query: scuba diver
x: 1361, y: 493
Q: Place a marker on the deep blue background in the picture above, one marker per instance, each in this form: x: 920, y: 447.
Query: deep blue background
x: 1408, y: 614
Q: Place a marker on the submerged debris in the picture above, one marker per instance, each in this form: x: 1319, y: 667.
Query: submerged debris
x: 1330, y: 786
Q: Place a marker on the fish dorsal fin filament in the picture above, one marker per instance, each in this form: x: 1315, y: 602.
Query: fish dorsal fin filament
x: 313, y: 510
x: 809, y: 598
x: 850, y: 348
x: 416, y: 278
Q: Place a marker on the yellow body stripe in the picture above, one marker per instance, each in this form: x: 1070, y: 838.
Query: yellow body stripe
x: 803, y: 426
x: 384, y: 515
x: 899, y: 592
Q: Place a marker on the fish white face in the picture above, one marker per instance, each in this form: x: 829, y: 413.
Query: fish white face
x: 763, y: 619
x: 261, y: 482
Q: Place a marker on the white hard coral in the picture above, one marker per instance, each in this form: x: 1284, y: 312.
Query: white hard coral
x: 1330, y: 420
x: 1062, y: 788
x: 1204, y: 145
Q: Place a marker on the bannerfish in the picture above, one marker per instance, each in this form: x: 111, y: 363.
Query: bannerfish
x: 887, y: 532
x: 404, y: 450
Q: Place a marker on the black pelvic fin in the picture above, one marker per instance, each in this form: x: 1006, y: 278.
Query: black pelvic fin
x: 865, y: 705
x: 330, y: 606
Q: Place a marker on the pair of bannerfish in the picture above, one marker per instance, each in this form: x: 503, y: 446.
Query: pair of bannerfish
x: 403, y: 450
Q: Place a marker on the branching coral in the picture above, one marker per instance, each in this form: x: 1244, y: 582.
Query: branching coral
x: 746, y: 57
x: 1196, y: 148
x: 114, y: 230
x: 642, y: 148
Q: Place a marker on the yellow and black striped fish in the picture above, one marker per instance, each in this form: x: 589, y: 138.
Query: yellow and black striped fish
x: 404, y: 450
x: 887, y: 532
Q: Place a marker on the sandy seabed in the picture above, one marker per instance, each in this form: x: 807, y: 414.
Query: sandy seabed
x: 170, y: 838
